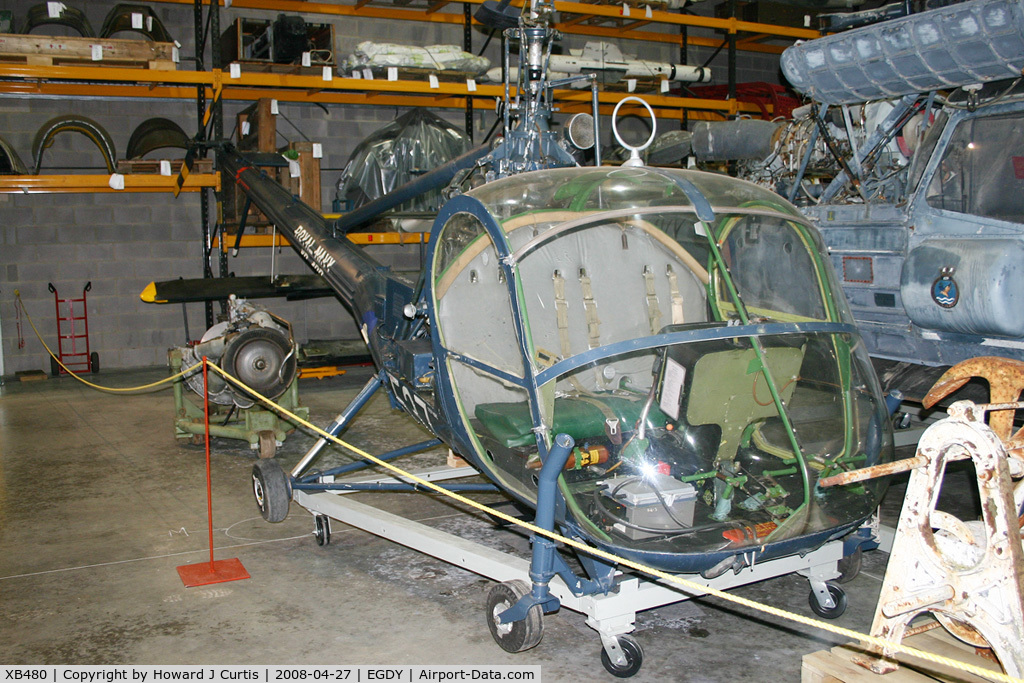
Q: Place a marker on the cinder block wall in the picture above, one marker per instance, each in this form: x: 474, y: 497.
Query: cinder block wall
x: 121, y: 242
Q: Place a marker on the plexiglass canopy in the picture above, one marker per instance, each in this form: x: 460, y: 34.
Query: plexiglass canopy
x: 708, y: 370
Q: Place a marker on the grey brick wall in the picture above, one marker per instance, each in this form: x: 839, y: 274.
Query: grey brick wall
x: 121, y: 242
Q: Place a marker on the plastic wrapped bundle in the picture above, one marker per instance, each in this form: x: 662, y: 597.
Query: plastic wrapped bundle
x: 439, y: 57
x: 411, y: 145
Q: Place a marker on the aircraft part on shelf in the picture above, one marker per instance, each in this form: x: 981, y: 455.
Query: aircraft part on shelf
x: 10, y: 162
x: 958, y: 45
x: 968, y: 574
x: 434, y: 57
x: 155, y: 133
x: 74, y: 124
x: 607, y: 60
x: 135, y: 19
x: 41, y: 15
x: 253, y: 346
x: 413, y: 144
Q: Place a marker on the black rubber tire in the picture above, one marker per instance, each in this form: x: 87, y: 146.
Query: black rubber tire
x: 519, y: 635
x: 322, y: 530
x: 54, y: 367
x: 267, y: 443
x: 271, y: 489
x: 94, y: 362
x: 838, y: 596
x: 634, y: 658
x: 849, y: 566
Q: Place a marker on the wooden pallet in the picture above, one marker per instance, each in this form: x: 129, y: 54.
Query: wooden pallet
x: 74, y: 51
x: 152, y: 166
x: 837, y: 665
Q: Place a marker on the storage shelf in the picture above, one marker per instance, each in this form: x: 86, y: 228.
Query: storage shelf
x: 578, y: 14
x: 55, y: 184
x: 120, y: 82
x: 363, y: 238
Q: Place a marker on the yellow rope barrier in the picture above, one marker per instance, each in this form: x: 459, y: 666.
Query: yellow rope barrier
x: 670, y: 578
x: 112, y: 390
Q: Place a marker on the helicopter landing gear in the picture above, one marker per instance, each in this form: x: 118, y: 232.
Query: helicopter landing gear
x: 514, y: 636
x: 622, y: 655
x: 827, y: 600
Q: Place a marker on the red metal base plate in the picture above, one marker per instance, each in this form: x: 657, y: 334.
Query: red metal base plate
x: 205, y: 573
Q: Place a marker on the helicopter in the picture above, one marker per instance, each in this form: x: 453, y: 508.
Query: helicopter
x: 659, y: 363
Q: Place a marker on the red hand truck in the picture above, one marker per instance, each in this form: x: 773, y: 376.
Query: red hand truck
x: 72, y: 329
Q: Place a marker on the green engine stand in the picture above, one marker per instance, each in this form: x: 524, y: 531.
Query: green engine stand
x: 262, y: 428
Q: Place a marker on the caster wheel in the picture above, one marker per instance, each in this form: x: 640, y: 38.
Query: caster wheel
x: 518, y: 635
x: 849, y: 566
x: 94, y: 362
x: 838, y: 596
x: 271, y: 489
x: 322, y: 532
x: 268, y: 443
x: 633, y: 653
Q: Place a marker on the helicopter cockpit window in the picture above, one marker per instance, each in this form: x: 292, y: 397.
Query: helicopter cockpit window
x: 473, y: 310
x: 982, y: 169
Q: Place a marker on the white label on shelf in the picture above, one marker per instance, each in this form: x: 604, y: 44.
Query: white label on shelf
x: 227, y: 3
x: 471, y: 84
x: 664, y: 85
x: 137, y: 21
x: 307, y: 59
x: 165, y: 167
x: 392, y: 73
x: 318, y: 150
x: 116, y: 181
x: 177, y: 45
x: 328, y: 73
x: 368, y: 74
x: 807, y: 21
x: 630, y: 85
x: 273, y: 107
x: 97, y: 53
x: 356, y: 74
x: 175, y: 57
x: 293, y: 169
x: 149, y: 23
x: 648, y: 14
x: 55, y: 9
x: 245, y: 128
x: 433, y: 81
x: 625, y: 10
x: 235, y: 70
x: 691, y: 161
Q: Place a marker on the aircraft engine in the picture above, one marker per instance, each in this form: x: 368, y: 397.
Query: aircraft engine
x: 253, y: 346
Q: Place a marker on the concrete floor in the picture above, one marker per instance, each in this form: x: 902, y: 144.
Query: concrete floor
x: 99, y: 505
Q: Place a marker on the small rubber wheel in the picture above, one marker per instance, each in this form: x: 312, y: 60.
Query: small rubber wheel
x: 518, y: 635
x: 322, y: 530
x: 271, y: 489
x: 849, y: 566
x: 94, y: 362
x: 838, y: 596
x: 268, y: 443
x: 54, y: 367
x: 633, y: 653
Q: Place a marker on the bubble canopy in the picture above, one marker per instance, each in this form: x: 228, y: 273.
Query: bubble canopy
x: 686, y: 330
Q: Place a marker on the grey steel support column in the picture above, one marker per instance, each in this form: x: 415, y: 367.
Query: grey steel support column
x: 467, y: 45
x: 204, y: 198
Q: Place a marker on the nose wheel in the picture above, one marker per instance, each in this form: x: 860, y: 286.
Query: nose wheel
x: 514, y: 636
x: 322, y: 530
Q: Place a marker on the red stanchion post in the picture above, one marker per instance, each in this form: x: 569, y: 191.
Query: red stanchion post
x: 221, y: 571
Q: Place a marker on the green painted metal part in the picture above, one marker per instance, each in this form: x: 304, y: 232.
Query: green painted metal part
x: 245, y: 424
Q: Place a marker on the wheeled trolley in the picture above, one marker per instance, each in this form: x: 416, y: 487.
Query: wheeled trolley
x: 73, y: 335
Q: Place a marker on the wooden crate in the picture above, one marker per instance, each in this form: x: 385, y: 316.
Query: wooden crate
x: 152, y: 166
x: 837, y: 665
x: 74, y: 51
